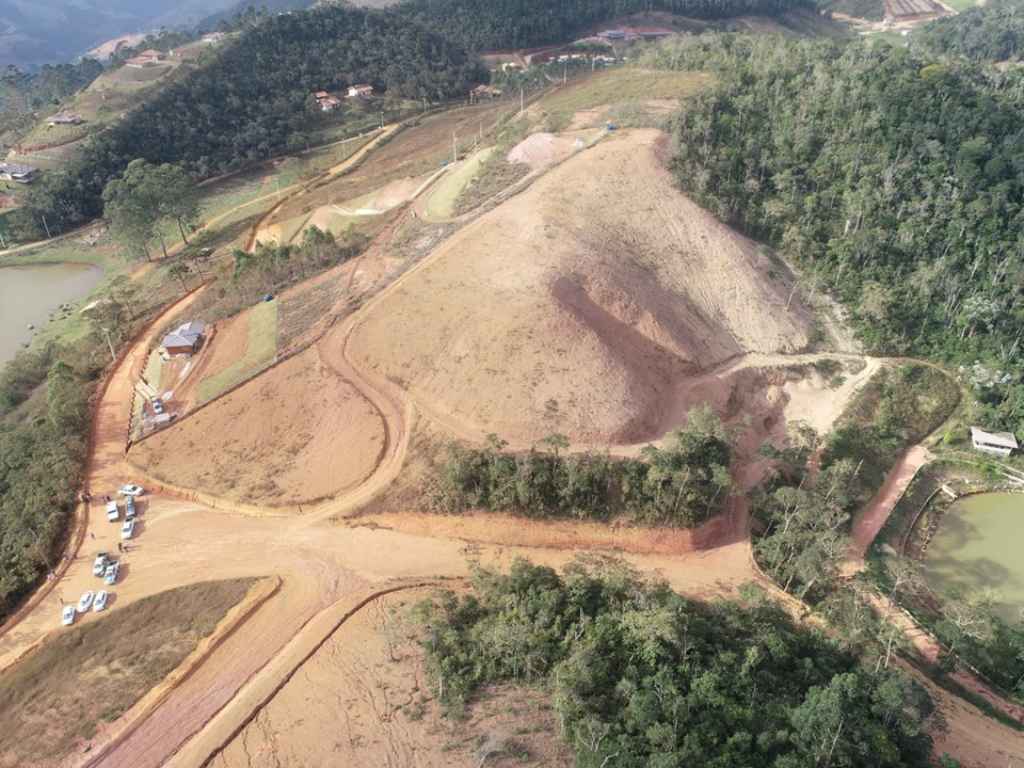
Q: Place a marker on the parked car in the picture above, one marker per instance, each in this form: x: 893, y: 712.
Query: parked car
x: 131, y: 490
x: 158, y: 406
x: 110, y: 575
x: 113, y: 513
x: 67, y: 615
x: 85, y: 601
x: 129, y: 508
x: 101, y: 601
x: 99, y: 565
x: 128, y: 529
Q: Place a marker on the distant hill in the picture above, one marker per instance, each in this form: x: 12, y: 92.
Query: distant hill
x: 36, y: 32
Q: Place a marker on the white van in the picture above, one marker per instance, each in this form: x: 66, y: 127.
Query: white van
x: 113, y: 513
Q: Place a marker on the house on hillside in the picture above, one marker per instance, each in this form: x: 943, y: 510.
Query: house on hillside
x: 213, y: 38
x: 326, y: 102
x: 184, y: 340
x: 19, y: 174
x: 360, y: 91
x: 148, y: 58
x: 612, y: 34
x: 996, y: 443
x: 65, y: 118
x: 485, y: 92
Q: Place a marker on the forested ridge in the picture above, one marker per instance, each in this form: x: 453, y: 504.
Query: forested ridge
x: 493, y: 24
x: 252, y: 97
x: 893, y: 180
x: 641, y: 677
x: 994, y: 32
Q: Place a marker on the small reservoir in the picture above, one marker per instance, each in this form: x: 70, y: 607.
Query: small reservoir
x: 980, y: 543
x: 28, y: 294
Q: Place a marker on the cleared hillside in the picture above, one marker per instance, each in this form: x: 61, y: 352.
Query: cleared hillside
x: 581, y: 306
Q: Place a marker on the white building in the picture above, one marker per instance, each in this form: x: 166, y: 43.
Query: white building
x: 996, y: 443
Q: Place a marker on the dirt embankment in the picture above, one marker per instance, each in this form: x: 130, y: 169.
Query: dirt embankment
x: 581, y: 305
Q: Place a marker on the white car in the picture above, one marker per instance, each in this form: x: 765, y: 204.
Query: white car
x: 128, y: 529
x: 113, y: 513
x: 131, y: 490
x: 85, y: 601
x: 67, y: 616
x: 99, y: 565
x: 101, y: 601
x: 110, y: 577
x: 129, y: 508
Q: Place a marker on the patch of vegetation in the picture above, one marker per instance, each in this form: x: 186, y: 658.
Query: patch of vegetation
x: 682, y: 484
x: 804, y: 518
x: 898, y: 408
x: 495, y: 175
x: 640, y: 676
x: 260, y: 351
x: 58, y: 694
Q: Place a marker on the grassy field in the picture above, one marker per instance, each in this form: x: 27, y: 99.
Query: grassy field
x: 260, y: 352
x: 963, y: 5
x: 60, y: 693
x: 450, y: 187
x: 617, y: 88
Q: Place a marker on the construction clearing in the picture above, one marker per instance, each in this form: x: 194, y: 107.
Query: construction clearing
x: 584, y: 295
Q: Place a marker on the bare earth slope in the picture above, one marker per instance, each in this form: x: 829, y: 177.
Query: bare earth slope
x: 296, y: 434
x: 581, y: 305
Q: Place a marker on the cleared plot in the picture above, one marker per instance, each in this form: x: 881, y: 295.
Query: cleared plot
x: 367, y: 688
x: 259, y: 351
x: 581, y: 306
x: 297, y: 433
x: 57, y: 697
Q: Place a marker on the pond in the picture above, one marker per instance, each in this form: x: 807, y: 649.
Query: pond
x: 28, y: 294
x: 980, y: 543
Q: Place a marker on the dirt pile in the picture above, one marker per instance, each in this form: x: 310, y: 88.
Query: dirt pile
x: 539, y: 150
x: 296, y: 434
x: 583, y: 306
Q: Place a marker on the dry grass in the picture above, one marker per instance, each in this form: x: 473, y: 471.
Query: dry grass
x: 57, y: 697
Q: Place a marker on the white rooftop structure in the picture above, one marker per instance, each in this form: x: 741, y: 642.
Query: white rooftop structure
x: 997, y: 443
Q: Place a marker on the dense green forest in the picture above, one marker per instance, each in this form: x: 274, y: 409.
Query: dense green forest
x: 642, y: 677
x: 994, y: 32
x: 251, y: 98
x: 894, y: 181
x: 683, y: 483
x: 494, y: 24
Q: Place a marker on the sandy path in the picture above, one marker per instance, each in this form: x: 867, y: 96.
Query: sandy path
x: 870, y: 520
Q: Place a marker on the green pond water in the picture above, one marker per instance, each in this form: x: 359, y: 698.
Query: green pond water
x: 980, y: 543
x: 29, y: 293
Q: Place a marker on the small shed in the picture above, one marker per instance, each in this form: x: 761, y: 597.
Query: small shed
x: 996, y: 443
x: 184, y: 340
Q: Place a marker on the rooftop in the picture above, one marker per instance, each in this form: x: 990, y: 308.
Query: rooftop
x: 1000, y: 439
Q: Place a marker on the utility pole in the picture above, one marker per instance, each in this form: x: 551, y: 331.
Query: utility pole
x: 46, y: 227
x: 565, y: 73
x: 382, y: 119
x: 106, y: 335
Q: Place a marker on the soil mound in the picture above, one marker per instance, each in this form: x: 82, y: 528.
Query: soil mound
x: 296, y: 434
x: 581, y: 306
x: 540, y: 150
